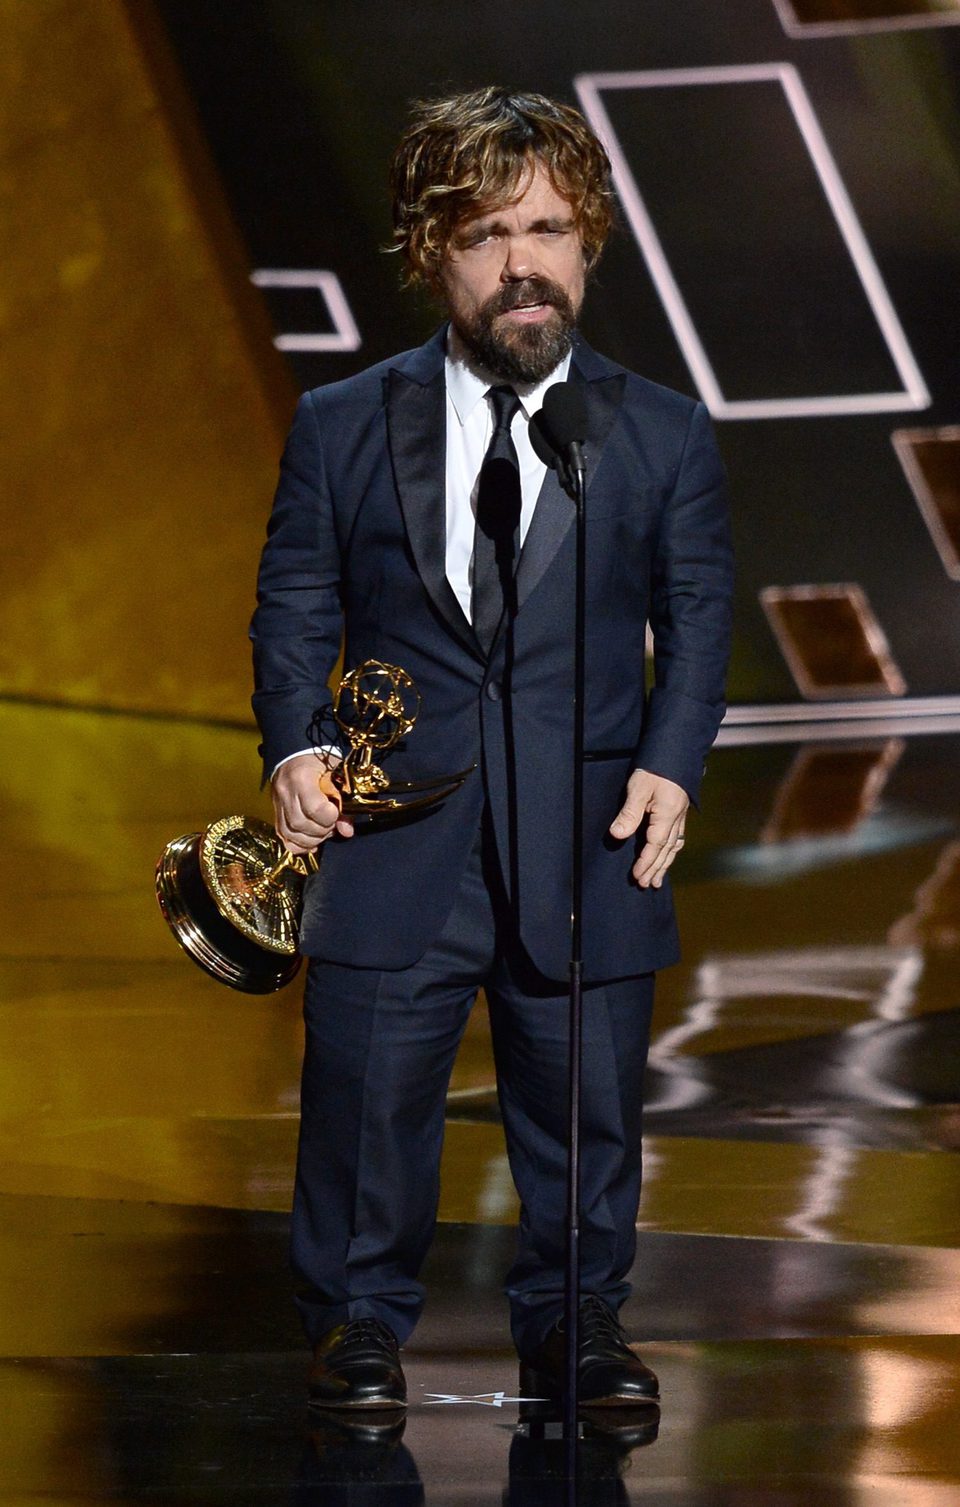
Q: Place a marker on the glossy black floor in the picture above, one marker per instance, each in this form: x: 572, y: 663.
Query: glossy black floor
x: 797, y: 1284
x: 787, y: 1370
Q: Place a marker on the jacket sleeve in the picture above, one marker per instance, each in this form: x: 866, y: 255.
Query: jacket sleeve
x: 690, y: 615
x: 297, y: 627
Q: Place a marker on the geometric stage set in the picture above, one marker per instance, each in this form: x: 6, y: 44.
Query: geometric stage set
x: 200, y: 205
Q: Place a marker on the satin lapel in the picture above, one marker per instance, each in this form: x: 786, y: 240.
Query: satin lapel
x: 416, y: 424
x: 554, y: 514
x: 552, y: 520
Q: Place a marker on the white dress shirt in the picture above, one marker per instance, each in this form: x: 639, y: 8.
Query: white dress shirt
x: 469, y: 428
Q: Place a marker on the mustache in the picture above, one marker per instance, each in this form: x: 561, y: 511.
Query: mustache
x: 531, y: 290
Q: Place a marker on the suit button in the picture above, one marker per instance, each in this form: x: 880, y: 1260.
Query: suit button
x: 493, y: 690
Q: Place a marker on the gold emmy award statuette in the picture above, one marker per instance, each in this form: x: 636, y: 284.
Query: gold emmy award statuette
x: 231, y: 894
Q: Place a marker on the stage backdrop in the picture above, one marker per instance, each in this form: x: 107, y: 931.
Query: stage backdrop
x: 789, y: 182
x: 789, y: 249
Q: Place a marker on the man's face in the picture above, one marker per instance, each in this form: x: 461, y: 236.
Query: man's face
x: 513, y: 280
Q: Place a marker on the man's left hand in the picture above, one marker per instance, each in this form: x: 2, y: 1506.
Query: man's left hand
x: 665, y: 805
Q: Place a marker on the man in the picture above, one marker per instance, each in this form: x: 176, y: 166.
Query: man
x: 414, y: 517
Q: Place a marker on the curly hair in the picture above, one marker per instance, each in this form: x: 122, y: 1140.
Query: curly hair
x: 463, y: 154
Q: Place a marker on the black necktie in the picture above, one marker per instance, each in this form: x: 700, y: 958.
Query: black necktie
x: 498, y: 522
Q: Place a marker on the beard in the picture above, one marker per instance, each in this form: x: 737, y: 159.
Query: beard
x: 525, y: 352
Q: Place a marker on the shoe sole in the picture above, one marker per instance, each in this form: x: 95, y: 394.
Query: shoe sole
x: 357, y: 1404
x: 536, y: 1383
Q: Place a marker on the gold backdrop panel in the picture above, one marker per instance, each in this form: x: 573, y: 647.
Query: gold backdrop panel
x: 125, y: 1073
x: 144, y: 405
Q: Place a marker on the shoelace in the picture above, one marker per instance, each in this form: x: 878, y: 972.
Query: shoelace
x: 596, y: 1317
x: 360, y: 1331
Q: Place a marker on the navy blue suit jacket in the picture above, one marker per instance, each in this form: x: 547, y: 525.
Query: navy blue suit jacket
x: 356, y: 548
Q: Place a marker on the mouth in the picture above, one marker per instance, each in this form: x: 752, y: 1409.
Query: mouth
x: 528, y: 313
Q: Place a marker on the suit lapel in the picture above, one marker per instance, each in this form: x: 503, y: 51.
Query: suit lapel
x: 554, y: 514
x: 416, y: 424
x: 551, y: 522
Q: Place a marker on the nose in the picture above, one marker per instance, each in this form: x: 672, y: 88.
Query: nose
x: 519, y: 261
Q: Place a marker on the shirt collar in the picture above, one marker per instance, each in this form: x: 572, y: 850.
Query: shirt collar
x: 468, y: 381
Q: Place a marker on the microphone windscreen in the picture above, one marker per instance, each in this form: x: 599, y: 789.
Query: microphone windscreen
x: 564, y: 415
x: 544, y: 448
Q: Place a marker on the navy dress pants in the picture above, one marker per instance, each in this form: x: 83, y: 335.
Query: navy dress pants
x: 380, y: 1047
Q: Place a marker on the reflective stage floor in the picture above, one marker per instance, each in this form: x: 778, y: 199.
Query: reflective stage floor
x: 797, y: 1285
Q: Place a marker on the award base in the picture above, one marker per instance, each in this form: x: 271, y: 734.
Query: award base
x: 227, y: 906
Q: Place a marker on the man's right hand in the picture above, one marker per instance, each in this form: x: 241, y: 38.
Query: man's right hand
x: 303, y: 814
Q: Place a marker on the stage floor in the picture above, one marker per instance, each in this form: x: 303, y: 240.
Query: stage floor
x: 797, y: 1285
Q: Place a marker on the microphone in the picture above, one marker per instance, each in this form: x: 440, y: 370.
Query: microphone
x: 558, y: 431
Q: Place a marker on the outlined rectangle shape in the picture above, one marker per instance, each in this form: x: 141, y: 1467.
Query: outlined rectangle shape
x: 343, y: 337
x: 832, y: 641
x: 931, y: 463
x: 838, y: 18
x: 850, y: 259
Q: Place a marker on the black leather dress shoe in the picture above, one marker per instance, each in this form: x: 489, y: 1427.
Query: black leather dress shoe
x: 609, y: 1373
x: 357, y: 1365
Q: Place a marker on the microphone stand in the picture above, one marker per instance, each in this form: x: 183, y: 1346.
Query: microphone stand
x: 552, y: 432
x: 575, y: 473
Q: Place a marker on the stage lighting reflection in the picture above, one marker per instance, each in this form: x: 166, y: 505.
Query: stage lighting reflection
x: 934, y: 920
x: 830, y: 789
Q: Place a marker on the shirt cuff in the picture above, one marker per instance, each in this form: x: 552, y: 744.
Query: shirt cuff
x: 325, y: 748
